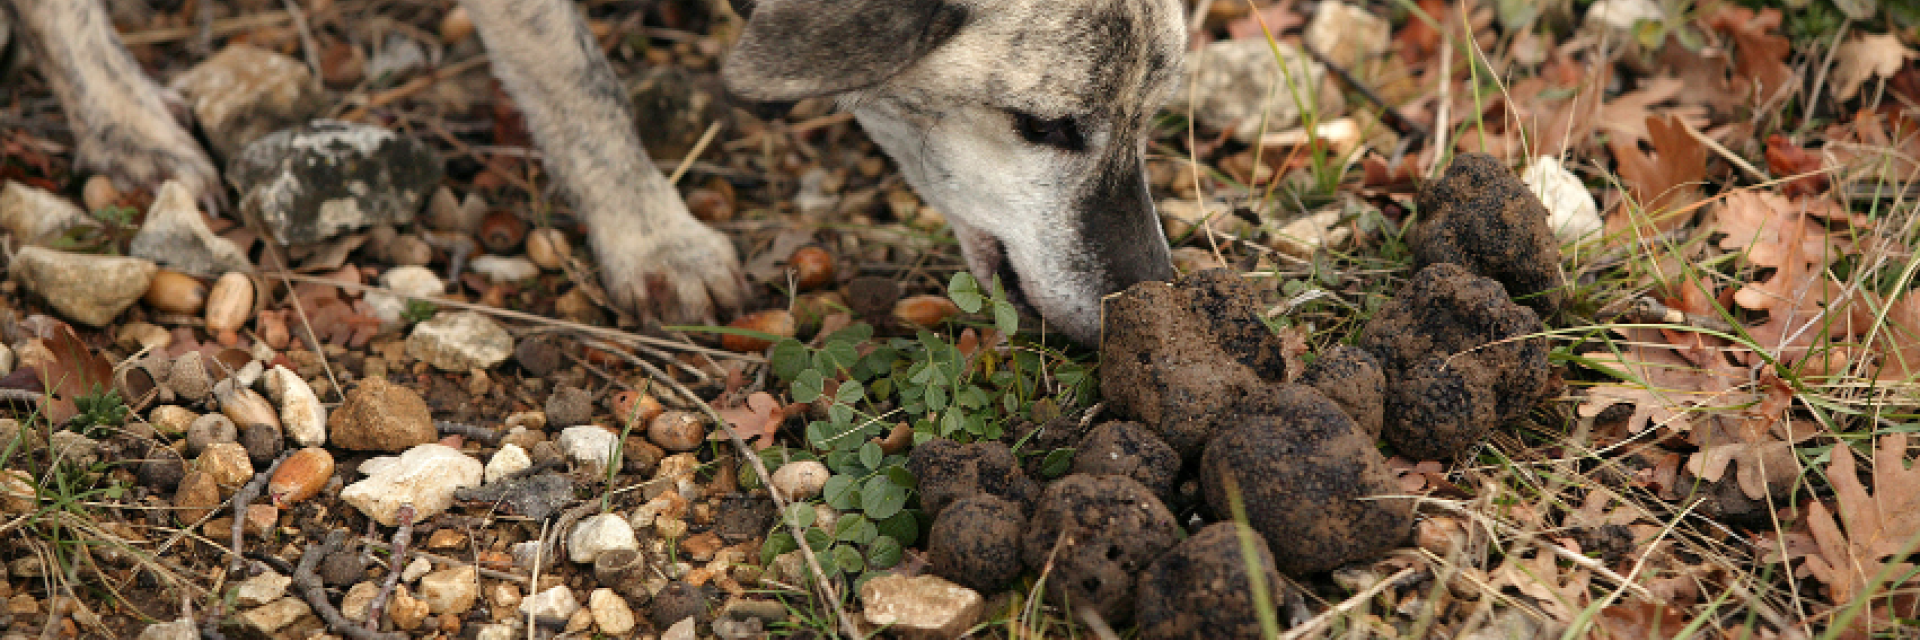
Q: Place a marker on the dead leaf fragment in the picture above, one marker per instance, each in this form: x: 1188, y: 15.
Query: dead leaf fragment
x: 1867, y: 57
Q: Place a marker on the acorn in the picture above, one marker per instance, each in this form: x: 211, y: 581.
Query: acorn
x: 548, y: 248
x: 501, y: 232
x: 175, y: 292
x: 456, y: 27
x: 777, y: 322
x: 246, y: 407
x: 925, y: 310
x: 99, y: 193
x: 639, y: 407
x: 709, y: 205
x: 678, y: 431
x: 301, y: 476
x: 228, y: 306
x: 812, y: 267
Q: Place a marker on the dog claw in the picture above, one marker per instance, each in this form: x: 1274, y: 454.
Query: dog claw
x: 686, y: 275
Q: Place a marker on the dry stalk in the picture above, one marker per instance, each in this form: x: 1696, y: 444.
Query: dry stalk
x: 402, y: 535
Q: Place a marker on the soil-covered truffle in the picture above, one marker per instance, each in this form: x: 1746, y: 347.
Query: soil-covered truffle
x: 949, y: 471
x: 1351, y: 378
x: 1307, y: 477
x: 1200, y: 588
x: 976, y: 542
x: 1129, y: 449
x: 1454, y: 365
x: 1479, y: 215
x: 1175, y: 355
x: 1106, y: 528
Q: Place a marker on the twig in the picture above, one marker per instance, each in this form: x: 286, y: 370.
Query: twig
x: 401, y: 536
x: 413, y: 86
x: 309, y: 46
x: 471, y: 432
x: 456, y: 562
x: 310, y: 589
x: 1349, y: 604
x: 612, y: 334
x: 1722, y: 151
x: 1646, y: 310
x: 699, y: 147
x: 241, y: 500
x: 1401, y: 124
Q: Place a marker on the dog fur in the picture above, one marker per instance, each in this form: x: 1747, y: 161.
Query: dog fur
x: 1021, y: 120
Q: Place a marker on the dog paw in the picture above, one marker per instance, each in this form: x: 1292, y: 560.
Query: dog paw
x: 679, y: 275
x: 142, y: 148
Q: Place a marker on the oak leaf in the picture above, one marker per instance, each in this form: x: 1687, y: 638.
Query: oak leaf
x: 1866, y: 57
x: 1663, y: 184
x: 1871, y: 527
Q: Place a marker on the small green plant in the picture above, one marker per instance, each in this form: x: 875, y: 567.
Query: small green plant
x: 114, y: 229
x: 928, y: 382
x: 419, y: 311
x: 99, y: 410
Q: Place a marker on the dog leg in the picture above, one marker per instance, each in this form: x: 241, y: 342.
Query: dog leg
x: 127, y: 127
x: 658, y: 259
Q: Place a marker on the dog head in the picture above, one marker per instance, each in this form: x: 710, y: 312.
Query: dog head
x: 1023, y: 121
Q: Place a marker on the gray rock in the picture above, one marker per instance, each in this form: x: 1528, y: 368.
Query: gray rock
x: 325, y: 177
x: 261, y: 589
x: 37, y: 216
x: 556, y: 603
x: 451, y: 590
x: 87, y: 289
x: 404, y: 280
x: 176, y: 235
x: 426, y: 476
x: 536, y: 497
x: 600, y: 534
x: 1232, y: 79
x: 275, y: 615
x: 588, y: 446
x: 181, y: 629
x: 504, y: 268
x: 921, y: 606
x: 72, y: 447
x: 245, y: 92
x: 460, y: 341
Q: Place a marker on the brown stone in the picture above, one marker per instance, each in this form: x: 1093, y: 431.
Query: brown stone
x: 381, y: 416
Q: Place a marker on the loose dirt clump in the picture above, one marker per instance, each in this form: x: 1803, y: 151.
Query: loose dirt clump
x: 1351, y: 378
x: 1200, y: 589
x: 1455, y: 362
x: 1479, y: 215
x: 1129, y: 449
x: 976, y: 542
x: 1307, y: 477
x: 949, y: 471
x: 1175, y: 355
x: 1098, y: 533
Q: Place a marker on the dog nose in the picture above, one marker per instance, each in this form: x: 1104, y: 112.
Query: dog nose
x: 1120, y: 224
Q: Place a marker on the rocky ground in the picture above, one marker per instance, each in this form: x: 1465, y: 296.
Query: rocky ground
x: 423, y: 418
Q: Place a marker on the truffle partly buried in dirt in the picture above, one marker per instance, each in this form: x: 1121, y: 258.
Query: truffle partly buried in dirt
x: 1454, y: 366
x: 949, y: 471
x: 1175, y: 355
x: 1129, y: 449
x: 1200, y: 589
x: 1351, y: 378
x: 1308, y: 479
x: 1106, y: 529
x: 1479, y: 215
x: 976, y: 542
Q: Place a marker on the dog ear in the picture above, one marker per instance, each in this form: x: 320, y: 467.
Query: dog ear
x: 796, y: 49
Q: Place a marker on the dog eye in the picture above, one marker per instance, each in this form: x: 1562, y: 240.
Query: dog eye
x: 1060, y: 133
